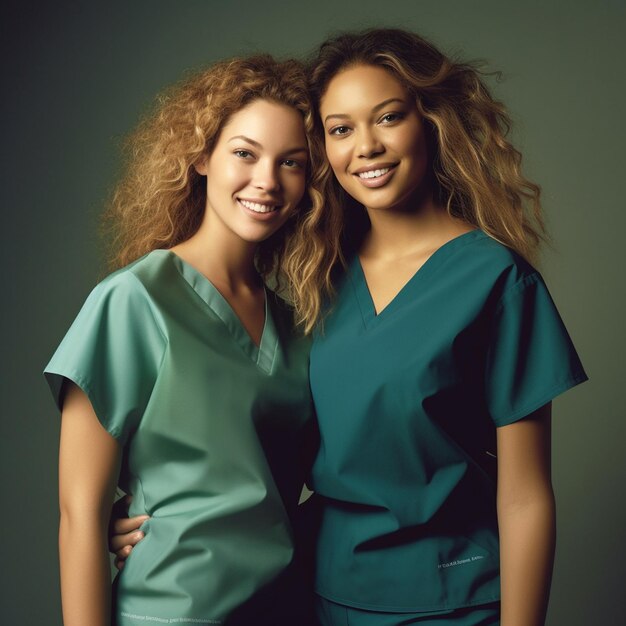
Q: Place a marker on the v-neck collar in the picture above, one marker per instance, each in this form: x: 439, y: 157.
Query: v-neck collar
x: 432, y: 263
x: 262, y: 355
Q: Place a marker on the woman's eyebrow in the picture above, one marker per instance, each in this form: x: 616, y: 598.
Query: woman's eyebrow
x: 256, y: 144
x: 376, y: 108
x: 384, y: 103
x: 247, y: 139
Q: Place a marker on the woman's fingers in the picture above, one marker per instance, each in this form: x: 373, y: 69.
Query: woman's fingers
x: 124, y: 525
x: 120, y: 522
x: 123, y: 531
x: 122, y: 554
x: 120, y: 541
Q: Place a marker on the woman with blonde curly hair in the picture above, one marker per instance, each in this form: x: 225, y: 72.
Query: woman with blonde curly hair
x: 439, y: 353
x: 182, y: 376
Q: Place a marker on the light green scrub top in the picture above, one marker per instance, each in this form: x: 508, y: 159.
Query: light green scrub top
x: 408, y: 402
x: 211, y: 428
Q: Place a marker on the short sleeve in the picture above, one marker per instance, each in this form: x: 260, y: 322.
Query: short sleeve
x: 113, y: 352
x: 530, y: 358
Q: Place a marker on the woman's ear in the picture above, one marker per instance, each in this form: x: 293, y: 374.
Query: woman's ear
x: 201, y: 165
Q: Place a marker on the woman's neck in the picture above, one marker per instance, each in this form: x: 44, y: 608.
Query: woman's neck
x: 224, y: 258
x: 396, y: 234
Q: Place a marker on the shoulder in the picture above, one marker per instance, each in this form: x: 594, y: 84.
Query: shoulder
x: 137, y: 279
x: 485, y: 251
x: 119, y: 289
x: 125, y: 297
x: 496, y: 266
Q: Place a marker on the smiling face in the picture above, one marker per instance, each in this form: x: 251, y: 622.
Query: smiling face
x: 375, y: 138
x: 256, y: 172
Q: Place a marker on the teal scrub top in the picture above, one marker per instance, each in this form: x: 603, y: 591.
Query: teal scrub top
x: 407, y: 403
x: 211, y: 427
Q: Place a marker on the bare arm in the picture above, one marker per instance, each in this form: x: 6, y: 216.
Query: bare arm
x: 88, y: 470
x: 526, y: 518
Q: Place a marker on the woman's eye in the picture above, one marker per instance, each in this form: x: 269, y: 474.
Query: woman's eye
x: 291, y: 163
x: 339, y: 130
x: 389, y: 118
x: 242, y: 154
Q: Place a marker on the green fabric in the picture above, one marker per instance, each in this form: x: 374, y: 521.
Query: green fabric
x: 408, y: 402
x: 211, y: 427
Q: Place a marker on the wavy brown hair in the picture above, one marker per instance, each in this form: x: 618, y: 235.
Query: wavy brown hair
x: 476, y: 171
x: 160, y: 200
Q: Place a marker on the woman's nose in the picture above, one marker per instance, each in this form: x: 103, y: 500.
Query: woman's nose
x: 368, y: 144
x: 266, y: 177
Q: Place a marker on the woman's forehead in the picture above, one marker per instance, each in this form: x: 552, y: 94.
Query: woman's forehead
x: 361, y: 85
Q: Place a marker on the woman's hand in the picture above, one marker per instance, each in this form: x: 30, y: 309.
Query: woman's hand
x: 123, y: 531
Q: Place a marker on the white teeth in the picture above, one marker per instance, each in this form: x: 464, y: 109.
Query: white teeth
x: 374, y: 173
x: 258, y: 208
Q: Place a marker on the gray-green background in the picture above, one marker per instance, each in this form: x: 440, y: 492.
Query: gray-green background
x: 76, y: 76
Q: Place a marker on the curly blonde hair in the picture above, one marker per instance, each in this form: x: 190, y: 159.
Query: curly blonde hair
x: 477, y: 172
x: 160, y: 200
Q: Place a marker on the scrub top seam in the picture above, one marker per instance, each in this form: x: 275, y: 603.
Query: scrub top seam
x: 403, y: 609
x: 517, y: 287
x: 157, y: 322
x: 85, y: 386
x: 132, y: 472
x: 547, y: 396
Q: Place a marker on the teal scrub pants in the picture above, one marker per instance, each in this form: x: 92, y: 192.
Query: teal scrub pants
x: 332, y: 614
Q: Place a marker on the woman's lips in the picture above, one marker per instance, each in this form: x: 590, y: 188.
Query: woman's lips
x: 376, y: 176
x: 259, y: 211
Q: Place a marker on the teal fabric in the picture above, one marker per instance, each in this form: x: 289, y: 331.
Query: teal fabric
x: 212, y: 428
x: 408, y: 402
x: 332, y: 614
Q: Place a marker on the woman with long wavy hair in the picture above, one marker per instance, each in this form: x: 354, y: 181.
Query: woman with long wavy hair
x: 182, y: 376
x: 438, y: 355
